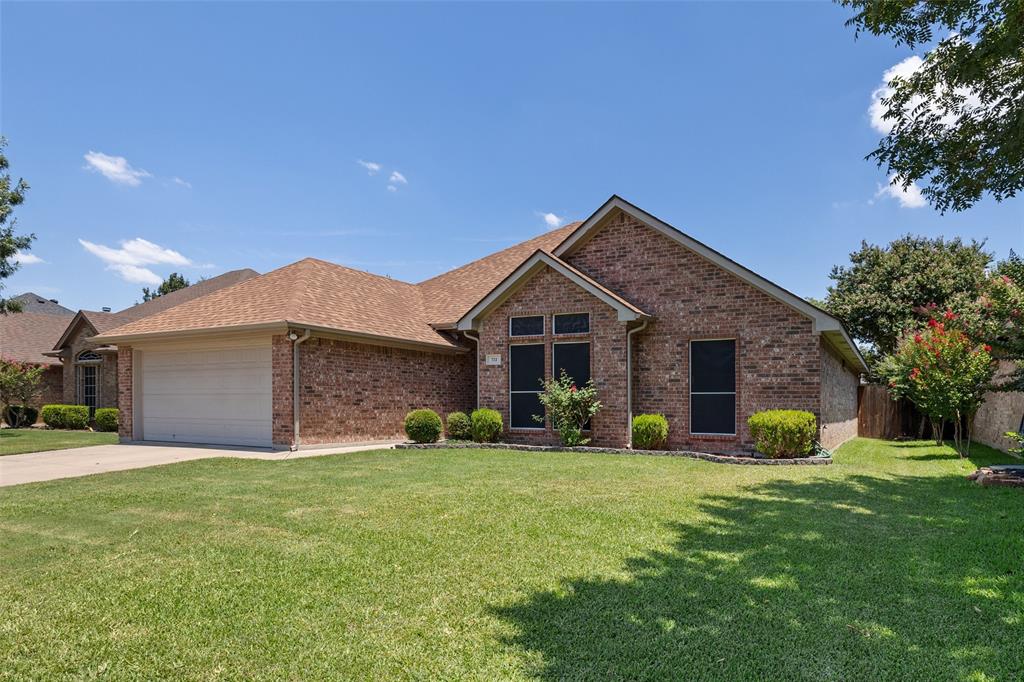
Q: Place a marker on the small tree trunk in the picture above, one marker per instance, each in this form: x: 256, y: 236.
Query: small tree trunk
x: 920, y: 428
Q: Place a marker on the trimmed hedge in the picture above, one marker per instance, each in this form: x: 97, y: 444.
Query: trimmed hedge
x: 459, y: 426
x: 106, y: 419
x: 423, y: 426
x: 650, y: 431
x: 487, y: 425
x: 66, y: 416
x: 18, y: 416
x: 783, y: 433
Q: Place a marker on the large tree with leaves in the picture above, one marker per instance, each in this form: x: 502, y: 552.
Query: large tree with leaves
x: 11, y: 194
x: 880, y: 293
x: 173, y: 282
x: 958, y: 119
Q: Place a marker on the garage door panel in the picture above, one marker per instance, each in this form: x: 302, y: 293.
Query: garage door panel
x: 220, y: 396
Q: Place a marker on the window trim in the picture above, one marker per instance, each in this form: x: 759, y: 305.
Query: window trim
x: 543, y: 327
x: 544, y: 426
x: 554, y: 329
x: 590, y: 358
x: 734, y: 392
x: 88, y: 357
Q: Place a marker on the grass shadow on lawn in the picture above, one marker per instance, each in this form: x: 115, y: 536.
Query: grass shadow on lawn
x: 860, y: 578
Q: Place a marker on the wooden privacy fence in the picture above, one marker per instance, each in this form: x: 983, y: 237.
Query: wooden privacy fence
x: 879, y: 416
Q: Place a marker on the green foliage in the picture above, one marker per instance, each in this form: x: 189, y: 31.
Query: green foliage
x: 570, y: 407
x: 783, y: 433
x: 878, y: 293
x: 1019, y: 437
x: 173, y: 282
x: 486, y: 425
x: 18, y: 416
x: 956, y: 120
x: 11, y: 195
x: 650, y: 431
x: 19, y: 383
x: 66, y: 416
x: 106, y: 419
x: 459, y: 426
x: 423, y: 426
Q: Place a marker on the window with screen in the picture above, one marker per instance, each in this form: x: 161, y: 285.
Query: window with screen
x: 574, y: 358
x: 87, y: 391
x: 572, y: 323
x: 526, y: 372
x: 526, y: 326
x: 713, y: 387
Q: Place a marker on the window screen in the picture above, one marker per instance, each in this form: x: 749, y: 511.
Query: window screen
x: 574, y: 358
x: 526, y: 371
x: 572, y: 323
x: 713, y: 387
x: 88, y: 390
x: 526, y: 326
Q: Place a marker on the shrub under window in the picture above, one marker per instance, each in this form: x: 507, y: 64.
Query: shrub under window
x: 783, y: 433
x: 650, y: 431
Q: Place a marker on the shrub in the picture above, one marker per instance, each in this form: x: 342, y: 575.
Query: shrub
x: 1019, y: 437
x: 486, y: 425
x: 106, y: 419
x: 650, y: 431
x: 783, y: 433
x: 18, y: 416
x: 570, y: 407
x: 423, y: 426
x: 459, y: 427
x: 66, y: 416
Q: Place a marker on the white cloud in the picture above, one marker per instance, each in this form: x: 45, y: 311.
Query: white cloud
x: 398, y: 178
x: 184, y: 183
x: 552, y: 220
x: 22, y: 258
x: 371, y: 167
x: 910, y: 197
x: 115, y: 168
x: 128, y: 261
x: 392, y: 188
x: 905, y: 69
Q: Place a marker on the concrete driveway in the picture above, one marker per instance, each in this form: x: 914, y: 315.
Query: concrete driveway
x: 46, y: 466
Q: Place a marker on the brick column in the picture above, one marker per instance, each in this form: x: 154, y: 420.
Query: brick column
x: 283, y: 430
x: 124, y: 392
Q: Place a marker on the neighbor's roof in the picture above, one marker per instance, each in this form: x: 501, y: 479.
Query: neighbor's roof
x: 26, y: 336
x: 34, y: 303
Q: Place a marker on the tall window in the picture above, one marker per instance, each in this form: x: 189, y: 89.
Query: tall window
x: 526, y: 372
x: 574, y: 358
x: 713, y: 387
x: 88, y: 370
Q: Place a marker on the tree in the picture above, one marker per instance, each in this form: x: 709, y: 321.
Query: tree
x: 944, y: 373
x: 956, y: 119
x: 19, y: 383
x: 173, y: 282
x: 570, y: 407
x: 11, y: 195
x: 879, y: 295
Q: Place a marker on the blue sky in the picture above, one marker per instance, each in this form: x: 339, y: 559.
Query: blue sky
x: 231, y: 135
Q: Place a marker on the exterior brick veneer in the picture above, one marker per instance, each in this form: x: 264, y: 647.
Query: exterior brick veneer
x: 354, y: 392
x: 125, y: 387
x: 106, y: 372
x: 838, y: 422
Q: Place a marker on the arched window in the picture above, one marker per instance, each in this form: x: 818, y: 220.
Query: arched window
x: 89, y: 356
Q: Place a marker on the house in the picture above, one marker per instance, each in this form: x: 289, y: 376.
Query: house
x: 34, y: 303
x: 660, y: 322
x: 25, y: 337
x: 88, y: 373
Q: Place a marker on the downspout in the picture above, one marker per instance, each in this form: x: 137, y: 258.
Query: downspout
x: 476, y: 341
x: 296, y: 340
x: 629, y: 379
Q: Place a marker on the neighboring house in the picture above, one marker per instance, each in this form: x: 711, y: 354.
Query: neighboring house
x: 34, y: 303
x: 661, y: 322
x: 27, y: 335
x: 89, y: 369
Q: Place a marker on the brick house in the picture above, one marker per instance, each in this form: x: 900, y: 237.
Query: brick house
x: 659, y: 321
x: 27, y: 335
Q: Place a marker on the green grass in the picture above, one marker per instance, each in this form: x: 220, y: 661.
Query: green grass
x: 497, y: 565
x: 19, y: 441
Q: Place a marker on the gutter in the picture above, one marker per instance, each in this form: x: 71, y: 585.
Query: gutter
x: 629, y: 379
x: 476, y: 342
x: 296, y: 340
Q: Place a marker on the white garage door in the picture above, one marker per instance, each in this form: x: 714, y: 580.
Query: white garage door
x: 220, y: 396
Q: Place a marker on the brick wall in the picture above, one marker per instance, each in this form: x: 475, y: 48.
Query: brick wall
x: 546, y: 293
x: 839, y: 383
x: 353, y: 392
x: 779, y: 359
x: 1001, y: 412
x: 51, y: 388
x: 106, y: 377
x: 125, y: 387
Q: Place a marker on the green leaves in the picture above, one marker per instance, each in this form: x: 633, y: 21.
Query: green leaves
x: 570, y: 407
x: 11, y: 195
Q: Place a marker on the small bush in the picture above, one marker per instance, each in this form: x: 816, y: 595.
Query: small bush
x: 18, y: 416
x: 66, y: 416
x: 486, y: 425
x: 423, y: 426
x: 650, y: 431
x: 783, y: 433
x: 459, y: 427
x: 570, y: 407
x: 106, y: 419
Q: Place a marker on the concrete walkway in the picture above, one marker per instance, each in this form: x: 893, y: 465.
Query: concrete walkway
x: 47, y: 466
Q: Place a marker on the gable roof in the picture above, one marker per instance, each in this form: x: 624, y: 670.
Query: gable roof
x: 25, y: 336
x: 534, y: 264
x: 34, y: 303
x: 824, y: 323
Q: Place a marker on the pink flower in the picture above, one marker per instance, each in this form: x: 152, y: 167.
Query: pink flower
x: 949, y: 315
x: 933, y: 323
x: 917, y: 338
x: 572, y: 389
x: 988, y: 348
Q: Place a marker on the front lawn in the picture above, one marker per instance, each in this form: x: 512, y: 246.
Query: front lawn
x: 496, y: 565
x: 18, y: 441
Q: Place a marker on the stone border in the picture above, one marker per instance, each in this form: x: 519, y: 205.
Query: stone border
x: 706, y: 456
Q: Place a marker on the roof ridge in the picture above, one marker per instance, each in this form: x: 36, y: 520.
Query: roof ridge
x: 388, y: 278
